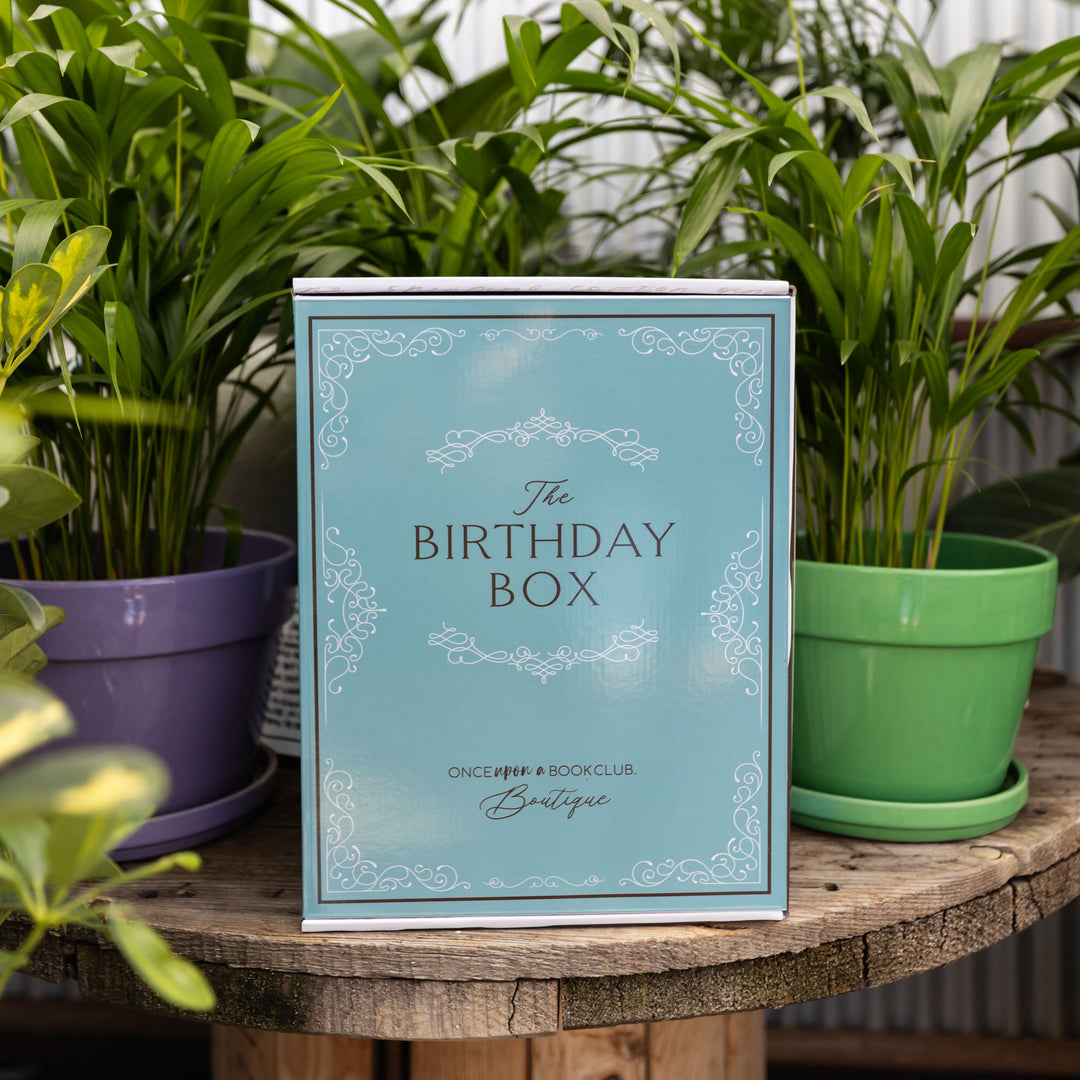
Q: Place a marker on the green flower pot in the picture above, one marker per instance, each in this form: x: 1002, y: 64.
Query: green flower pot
x: 909, y: 685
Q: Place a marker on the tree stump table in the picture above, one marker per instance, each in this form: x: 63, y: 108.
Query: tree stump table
x: 676, y: 1002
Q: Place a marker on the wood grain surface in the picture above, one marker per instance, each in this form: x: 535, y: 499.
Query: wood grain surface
x: 708, y: 1048
x: 861, y: 913
x: 240, y: 1054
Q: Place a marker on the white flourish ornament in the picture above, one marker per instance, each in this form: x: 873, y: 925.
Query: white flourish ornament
x: 346, y: 867
x: 460, y: 445
x: 339, y: 353
x: 547, y: 333
x: 739, y: 863
x: 625, y: 647
x: 356, y: 610
x: 552, y: 881
x: 743, y: 349
x: 729, y: 611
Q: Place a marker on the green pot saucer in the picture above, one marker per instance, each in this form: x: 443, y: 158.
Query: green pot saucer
x: 879, y: 820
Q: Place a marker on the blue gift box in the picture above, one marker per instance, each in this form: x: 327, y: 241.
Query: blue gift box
x: 545, y: 575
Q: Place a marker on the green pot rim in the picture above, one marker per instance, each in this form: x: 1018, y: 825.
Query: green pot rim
x: 983, y: 605
x: 1037, y: 557
x: 910, y: 821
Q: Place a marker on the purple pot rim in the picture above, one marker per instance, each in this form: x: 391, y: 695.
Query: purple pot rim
x: 281, y: 558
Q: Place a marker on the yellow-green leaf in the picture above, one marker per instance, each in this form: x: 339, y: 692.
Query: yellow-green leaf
x: 31, y: 716
x: 84, y: 781
x: 75, y: 260
x: 176, y: 980
x: 29, y: 300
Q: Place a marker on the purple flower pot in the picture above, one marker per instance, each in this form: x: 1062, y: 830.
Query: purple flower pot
x: 174, y: 664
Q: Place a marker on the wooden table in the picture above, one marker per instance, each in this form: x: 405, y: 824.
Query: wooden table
x: 627, y: 1003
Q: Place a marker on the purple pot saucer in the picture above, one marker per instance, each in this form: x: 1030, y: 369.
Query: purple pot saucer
x: 198, y: 824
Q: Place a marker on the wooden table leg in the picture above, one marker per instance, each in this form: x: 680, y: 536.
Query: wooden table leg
x: 730, y: 1047
x: 246, y: 1054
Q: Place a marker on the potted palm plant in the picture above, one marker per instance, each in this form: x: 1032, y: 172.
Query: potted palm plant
x: 144, y: 122
x: 220, y: 184
x: 913, y: 648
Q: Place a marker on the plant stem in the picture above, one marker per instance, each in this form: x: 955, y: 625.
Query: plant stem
x: 799, y: 58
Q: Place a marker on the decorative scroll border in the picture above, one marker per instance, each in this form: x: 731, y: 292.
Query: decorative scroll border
x: 551, y: 881
x: 547, y: 333
x: 739, y: 863
x: 339, y: 352
x: 353, y: 601
x: 346, y: 867
x: 625, y: 647
x: 742, y: 349
x: 729, y: 612
x: 460, y: 445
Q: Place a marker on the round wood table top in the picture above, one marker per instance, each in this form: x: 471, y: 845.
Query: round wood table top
x: 862, y: 913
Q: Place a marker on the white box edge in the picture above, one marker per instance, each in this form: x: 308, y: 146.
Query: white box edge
x: 332, y: 288
x: 505, y: 922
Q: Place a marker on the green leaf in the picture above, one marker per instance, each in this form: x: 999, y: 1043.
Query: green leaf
x: 375, y: 173
x: 813, y: 268
x: 22, y: 605
x: 660, y: 22
x: 215, y: 78
x: 68, y: 26
x: 954, y: 249
x: 79, y: 846
x: 15, y: 883
x: 19, y: 655
x: 176, y: 980
x: 598, y: 15
x: 557, y: 57
x: 31, y: 717
x: 922, y: 73
x: 227, y: 150
x: 138, y: 107
x: 997, y: 377
x: 935, y: 368
x: 975, y: 73
x: 920, y: 239
x: 824, y: 178
x: 861, y: 178
x: 523, y: 46
x: 27, y: 106
x: 123, y: 56
x: 877, y: 278
x: 852, y: 269
x: 714, y: 186
x: 903, y: 166
x: 27, y: 842
x: 84, y: 137
x: 779, y: 161
x: 906, y: 351
x: 726, y: 138
x: 851, y: 100
x: 29, y: 661
x: 121, y: 779
x: 38, y: 497
x: 1040, y: 508
x: 35, y: 232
